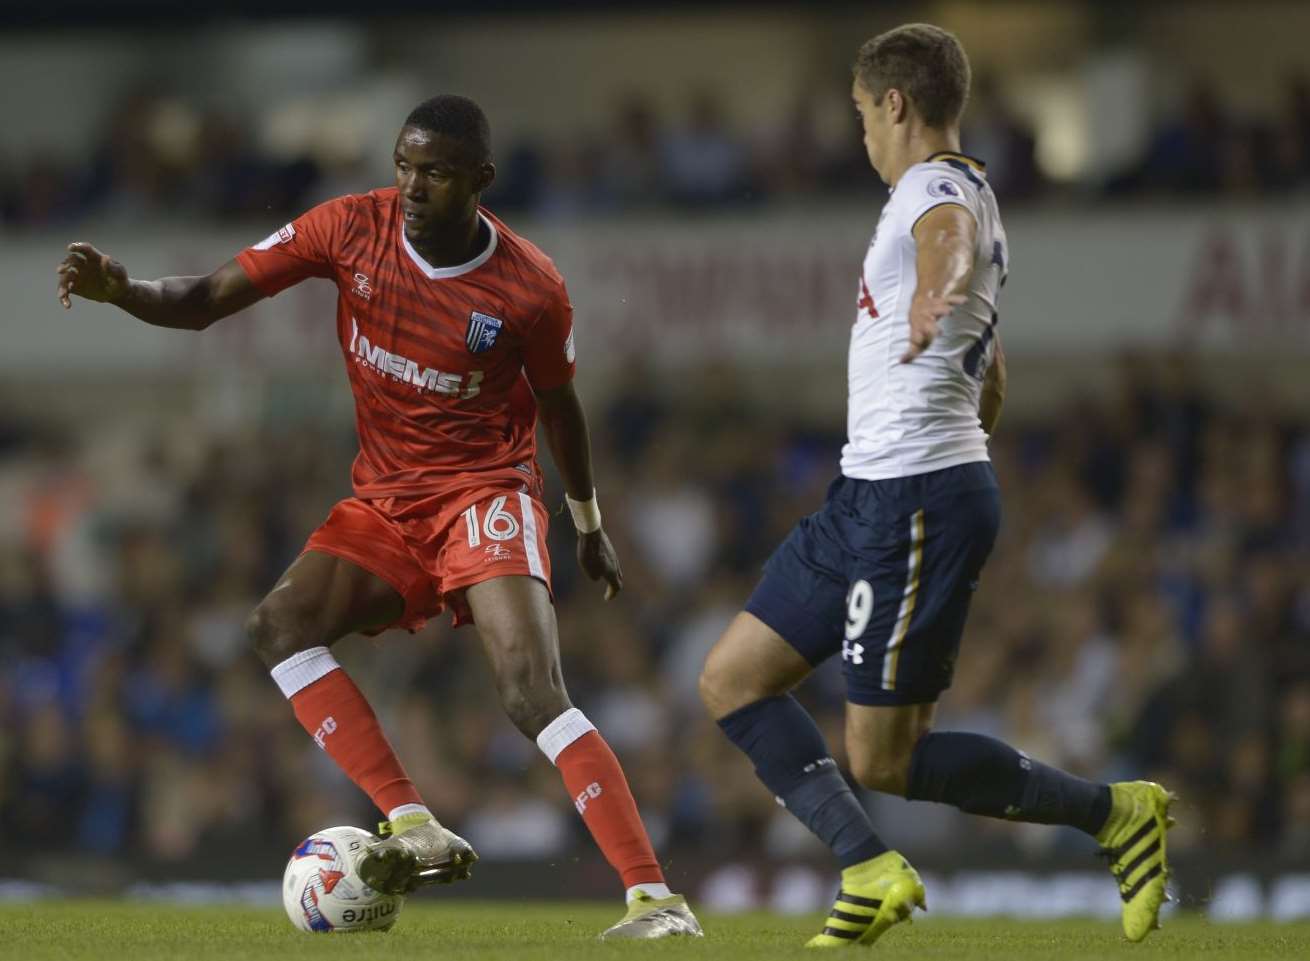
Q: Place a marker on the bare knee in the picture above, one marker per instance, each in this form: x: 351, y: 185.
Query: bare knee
x: 531, y: 700
x: 277, y: 631
x: 880, y: 742
x: 722, y: 691
x: 711, y: 689
x: 750, y: 662
x: 880, y: 759
x: 888, y: 772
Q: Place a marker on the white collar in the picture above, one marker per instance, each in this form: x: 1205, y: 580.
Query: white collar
x: 445, y: 273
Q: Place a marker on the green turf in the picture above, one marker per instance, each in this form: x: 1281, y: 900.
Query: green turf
x: 114, y: 931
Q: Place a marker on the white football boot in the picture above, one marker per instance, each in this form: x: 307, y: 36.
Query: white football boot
x: 412, y: 851
x: 649, y: 918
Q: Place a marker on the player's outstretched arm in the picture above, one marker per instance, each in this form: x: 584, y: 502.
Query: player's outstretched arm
x: 944, y: 237
x: 185, y: 303
x: 993, y: 391
x: 570, y: 446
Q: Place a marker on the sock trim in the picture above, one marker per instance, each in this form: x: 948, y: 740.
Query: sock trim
x: 656, y: 889
x: 399, y: 812
x: 300, y: 670
x: 563, y: 731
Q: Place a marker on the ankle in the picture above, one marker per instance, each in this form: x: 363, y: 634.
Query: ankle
x: 650, y: 889
x: 887, y: 861
x: 408, y: 816
x: 1119, y: 813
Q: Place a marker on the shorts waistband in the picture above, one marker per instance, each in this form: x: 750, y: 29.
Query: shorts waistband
x: 921, y: 488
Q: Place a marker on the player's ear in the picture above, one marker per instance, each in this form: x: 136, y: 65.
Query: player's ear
x: 486, y: 176
x: 896, y: 105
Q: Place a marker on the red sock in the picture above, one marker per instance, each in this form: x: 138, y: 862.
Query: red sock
x: 600, y: 792
x: 334, y: 712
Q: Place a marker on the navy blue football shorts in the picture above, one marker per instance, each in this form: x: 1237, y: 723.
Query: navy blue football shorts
x: 883, y: 575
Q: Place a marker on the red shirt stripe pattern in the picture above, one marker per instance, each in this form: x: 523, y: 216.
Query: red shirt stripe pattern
x: 443, y: 361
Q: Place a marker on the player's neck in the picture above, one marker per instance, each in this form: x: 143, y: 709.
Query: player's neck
x: 924, y: 142
x: 454, y: 244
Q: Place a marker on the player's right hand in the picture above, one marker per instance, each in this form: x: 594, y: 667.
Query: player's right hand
x: 598, y: 561
x: 926, y: 309
x: 88, y: 273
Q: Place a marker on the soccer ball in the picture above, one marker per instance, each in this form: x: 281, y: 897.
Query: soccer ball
x: 322, y: 892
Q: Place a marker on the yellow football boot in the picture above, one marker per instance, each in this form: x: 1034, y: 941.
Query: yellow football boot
x: 1133, y: 841
x: 875, y: 895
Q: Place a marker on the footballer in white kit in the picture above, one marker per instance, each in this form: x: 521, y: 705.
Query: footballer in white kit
x: 905, y: 419
x: 883, y: 573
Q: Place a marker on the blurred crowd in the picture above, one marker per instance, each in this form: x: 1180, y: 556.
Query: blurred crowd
x: 1206, y: 150
x: 162, y: 155
x: 1146, y: 613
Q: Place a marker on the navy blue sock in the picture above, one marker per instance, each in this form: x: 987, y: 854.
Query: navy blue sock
x: 981, y: 775
x: 787, y: 748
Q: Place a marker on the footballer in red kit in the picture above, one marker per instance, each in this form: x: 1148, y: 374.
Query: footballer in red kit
x: 458, y: 337
x: 443, y: 363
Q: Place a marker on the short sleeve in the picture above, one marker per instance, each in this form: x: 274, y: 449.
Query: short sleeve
x: 549, y: 355
x: 304, y: 248
x: 923, y: 189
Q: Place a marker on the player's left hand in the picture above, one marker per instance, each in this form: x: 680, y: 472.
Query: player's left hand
x: 926, y: 309
x: 598, y: 561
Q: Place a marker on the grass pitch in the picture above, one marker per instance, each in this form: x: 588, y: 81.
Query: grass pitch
x: 116, y: 931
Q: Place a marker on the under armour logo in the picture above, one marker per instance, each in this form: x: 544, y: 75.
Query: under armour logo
x: 852, y: 652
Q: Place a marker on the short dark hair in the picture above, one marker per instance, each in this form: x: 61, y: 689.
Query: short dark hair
x: 456, y: 117
x: 925, y: 63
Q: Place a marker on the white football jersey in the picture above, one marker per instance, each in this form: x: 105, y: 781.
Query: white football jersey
x: 906, y: 419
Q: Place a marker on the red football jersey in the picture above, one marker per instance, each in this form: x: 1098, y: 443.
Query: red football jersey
x: 442, y: 360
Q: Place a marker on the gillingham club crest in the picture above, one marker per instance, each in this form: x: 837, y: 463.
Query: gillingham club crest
x: 482, y: 332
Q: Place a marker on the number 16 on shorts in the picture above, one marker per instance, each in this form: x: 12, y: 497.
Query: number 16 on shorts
x: 498, y: 528
x: 497, y: 524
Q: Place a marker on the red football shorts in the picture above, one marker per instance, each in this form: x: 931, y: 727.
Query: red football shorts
x: 431, y: 548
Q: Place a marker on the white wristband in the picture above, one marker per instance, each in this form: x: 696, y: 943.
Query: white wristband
x: 586, y: 514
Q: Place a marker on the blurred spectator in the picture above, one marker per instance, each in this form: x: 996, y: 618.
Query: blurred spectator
x: 1289, y: 153
x: 1205, y: 149
x: 998, y: 137
x: 573, y: 183
x: 816, y: 147
x: 521, y: 175
x: 672, y: 516
x: 705, y: 163
x: 159, y: 154
x: 1187, y: 153
x: 632, y: 170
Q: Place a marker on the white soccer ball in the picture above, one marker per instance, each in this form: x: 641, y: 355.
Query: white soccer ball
x: 322, y: 892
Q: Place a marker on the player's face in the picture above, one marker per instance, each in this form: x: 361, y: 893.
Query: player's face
x: 438, y: 183
x: 875, y: 120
